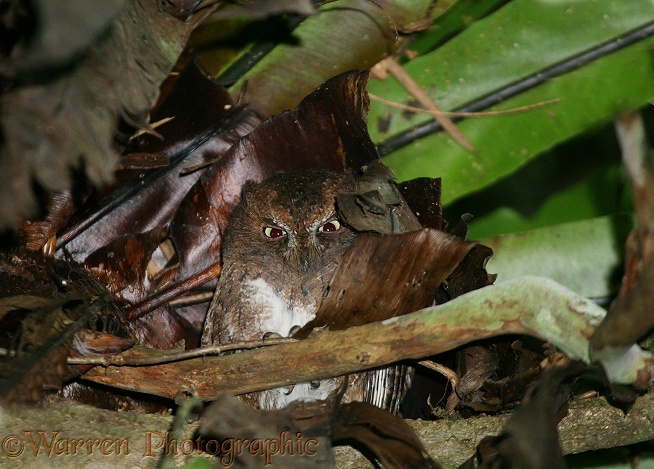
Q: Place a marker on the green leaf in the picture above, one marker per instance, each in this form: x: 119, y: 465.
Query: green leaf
x: 541, y: 196
x: 585, y: 256
x: 344, y: 35
x: 520, y: 39
x: 458, y: 17
x: 588, y: 97
x: 490, y: 55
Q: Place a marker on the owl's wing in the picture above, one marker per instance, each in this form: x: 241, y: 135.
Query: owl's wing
x: 210, y: 330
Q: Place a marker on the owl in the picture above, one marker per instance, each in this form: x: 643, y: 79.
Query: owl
x: 280, y: 251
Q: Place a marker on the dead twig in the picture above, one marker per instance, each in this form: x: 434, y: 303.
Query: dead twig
x: 514, y: 110
x: 451, y: 376
x: 120, y: 360
x: 391, y: 66
x: 173, y: 291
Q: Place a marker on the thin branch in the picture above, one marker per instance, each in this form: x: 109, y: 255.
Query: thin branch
x: 425, y: 100
x: 419, y: 110
x: 173, y: 291
x: 451, y: 376
x: 151, y: 129
x: 192, y: 299
x: 120, y: 360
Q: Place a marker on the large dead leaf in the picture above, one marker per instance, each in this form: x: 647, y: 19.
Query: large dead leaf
x: 387, y: 437
x: 316, y: 426
x: 383, y: 276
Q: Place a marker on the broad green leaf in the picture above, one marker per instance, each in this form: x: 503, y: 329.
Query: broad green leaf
x: 522, y: 38
x: 588, y: 97
x: 344, y: 35
x: 462, y: 14
x: 585, y: 256
x: 489, y: 55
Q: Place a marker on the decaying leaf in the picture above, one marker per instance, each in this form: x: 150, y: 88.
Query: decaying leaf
x: 495, y: 375
x: 384, y: 436
x: 42, y: 344
x: 297, y: 436
x: 123, y: 263
x: 302, y: 435
x: 383, y: 276
x: 377, y: 204
x: 87, y: 343
x: 39, y: 331
x: 41, y: 232
x: 529, y: 439
x: 424, y: 197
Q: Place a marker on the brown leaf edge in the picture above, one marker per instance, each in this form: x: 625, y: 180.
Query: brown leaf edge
x: 380, y: 435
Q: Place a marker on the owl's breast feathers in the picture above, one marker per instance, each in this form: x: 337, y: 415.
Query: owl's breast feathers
x: 279, y: 313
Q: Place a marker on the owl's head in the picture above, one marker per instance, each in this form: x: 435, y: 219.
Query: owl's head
x: 290, y: 218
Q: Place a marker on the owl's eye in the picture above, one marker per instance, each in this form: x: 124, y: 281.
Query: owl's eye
x: 273, y: 232
x: 330, y: 226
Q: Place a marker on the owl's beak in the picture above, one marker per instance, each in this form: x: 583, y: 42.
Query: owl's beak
x: 304, y: 252
x: 306, y: 257
x: 304, y: 261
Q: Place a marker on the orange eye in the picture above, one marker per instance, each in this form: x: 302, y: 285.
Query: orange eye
x: 273, y: 232
x: 330, y: 227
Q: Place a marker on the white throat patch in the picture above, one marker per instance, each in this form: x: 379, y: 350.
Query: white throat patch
x: 278, y: 314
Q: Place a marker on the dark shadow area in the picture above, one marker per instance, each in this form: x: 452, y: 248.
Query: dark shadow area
x: 556, y: 170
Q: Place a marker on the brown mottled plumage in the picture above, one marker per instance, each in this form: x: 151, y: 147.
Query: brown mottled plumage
x: 280, y: 251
